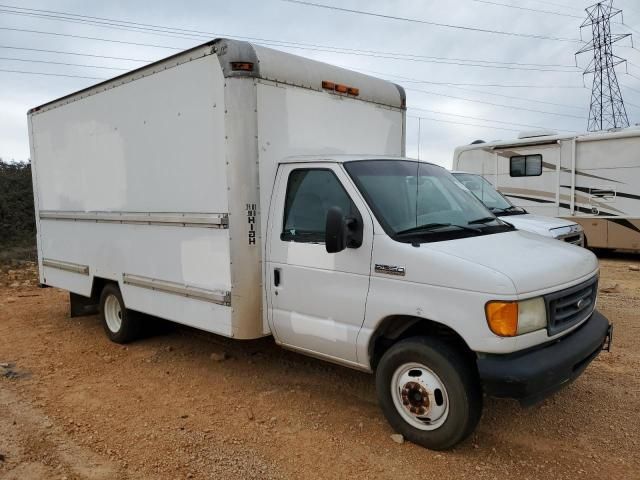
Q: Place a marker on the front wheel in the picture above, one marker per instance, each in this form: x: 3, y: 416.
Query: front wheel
x: 429, y: 392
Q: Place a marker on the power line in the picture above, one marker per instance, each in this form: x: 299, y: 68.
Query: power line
x: 494, y: 104
x: 526, y: 8
x: 630, y: 88
x: 482, y: 119
x: 60, y: 63
x: 435, y: 24
x: 364, y: 70
x: 632, y: 75
x: 52, y: 74
x: 632, y: 9
x: 442, y: 62
x: 184, y: 36
x: 192, y: 32
x: 108, y: 22
x: 413, y: 80
x: 631, y: 28
x: 501, y: 85
x: 324, y: 48
x: 328, y: 49
x: 405, y: 79
x: 87, y: 38
x: 73, y: 53
x: 462, y: 123
x: 555, y: 4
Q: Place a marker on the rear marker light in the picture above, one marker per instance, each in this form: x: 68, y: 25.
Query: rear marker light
x: 328, y: 85
x: 341, y: 88
x: 353, y: 91
x: 242, y: 66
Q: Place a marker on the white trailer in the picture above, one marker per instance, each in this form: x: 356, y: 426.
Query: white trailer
x: 248, y: 192
x: 592, y: 179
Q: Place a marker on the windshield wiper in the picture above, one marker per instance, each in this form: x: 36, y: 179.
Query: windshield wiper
x: 482, y: 220
x: 511, y: 209
x: 434, y: 226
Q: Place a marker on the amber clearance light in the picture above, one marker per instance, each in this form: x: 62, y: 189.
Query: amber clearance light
x: 340, y: 88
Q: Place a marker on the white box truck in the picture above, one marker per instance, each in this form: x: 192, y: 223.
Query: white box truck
x: 248, y: 192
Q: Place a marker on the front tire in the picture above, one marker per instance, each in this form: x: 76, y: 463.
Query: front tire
x: 429, y: 392
x: 120, y: 324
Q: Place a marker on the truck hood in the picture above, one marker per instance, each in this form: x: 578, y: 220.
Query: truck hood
x: 536, y: 223
x: 531, y: 262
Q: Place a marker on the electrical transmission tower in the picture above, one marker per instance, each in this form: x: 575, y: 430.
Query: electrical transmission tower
x: 607, y: 107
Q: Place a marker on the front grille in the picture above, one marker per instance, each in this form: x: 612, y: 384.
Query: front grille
x: 571, y: 305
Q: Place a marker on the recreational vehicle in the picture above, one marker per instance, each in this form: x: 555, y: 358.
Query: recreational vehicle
x: 249, y: 192
x: 592, y: 179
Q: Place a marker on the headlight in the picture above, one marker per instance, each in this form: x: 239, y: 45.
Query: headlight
x: 562, y: 232
x: 508, y: 319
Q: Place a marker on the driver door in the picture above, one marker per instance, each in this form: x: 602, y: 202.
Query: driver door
x: 316, y: 299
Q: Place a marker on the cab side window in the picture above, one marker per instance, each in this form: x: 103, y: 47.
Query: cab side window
x: 310, y: 194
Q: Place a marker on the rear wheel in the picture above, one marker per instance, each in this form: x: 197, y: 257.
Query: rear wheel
x: 429, y: 392
x: 120, y: 324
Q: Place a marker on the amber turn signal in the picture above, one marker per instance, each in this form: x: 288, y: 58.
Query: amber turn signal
x: 502, y: 318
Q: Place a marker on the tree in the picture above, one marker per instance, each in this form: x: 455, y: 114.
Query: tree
x: 17, y: 217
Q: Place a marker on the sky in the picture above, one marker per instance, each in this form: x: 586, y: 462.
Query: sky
x: 446, y: 71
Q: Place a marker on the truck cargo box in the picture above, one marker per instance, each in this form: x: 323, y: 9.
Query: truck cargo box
x: 156, y: 179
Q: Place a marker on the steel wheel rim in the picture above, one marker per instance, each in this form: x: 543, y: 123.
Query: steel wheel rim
x: 420, y: 397
x: 113, y: 313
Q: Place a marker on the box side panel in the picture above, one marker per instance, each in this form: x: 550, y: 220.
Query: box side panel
x: 145, y: 146
x: 132, y: 188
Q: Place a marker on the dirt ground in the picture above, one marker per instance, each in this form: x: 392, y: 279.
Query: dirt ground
x: 75, y: 406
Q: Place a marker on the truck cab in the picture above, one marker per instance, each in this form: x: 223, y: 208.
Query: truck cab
x: 387, y: 265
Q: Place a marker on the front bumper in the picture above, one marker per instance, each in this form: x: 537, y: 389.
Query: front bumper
x: 536, y: 373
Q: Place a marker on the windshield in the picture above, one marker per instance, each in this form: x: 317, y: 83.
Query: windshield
x: 487, y: 194
x: 419, y: 200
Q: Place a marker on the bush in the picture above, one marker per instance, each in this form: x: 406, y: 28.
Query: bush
x: 17, y: 217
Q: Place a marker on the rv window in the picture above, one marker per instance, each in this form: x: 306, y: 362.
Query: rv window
x: 525, y: 166
x: 310, y: 194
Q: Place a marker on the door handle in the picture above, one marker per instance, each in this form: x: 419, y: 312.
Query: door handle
x: 276, y: 277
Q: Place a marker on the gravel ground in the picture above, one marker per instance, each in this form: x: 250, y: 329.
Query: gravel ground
x: 73, y: 405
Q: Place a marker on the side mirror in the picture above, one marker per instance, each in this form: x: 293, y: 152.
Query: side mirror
x: 341, y: 232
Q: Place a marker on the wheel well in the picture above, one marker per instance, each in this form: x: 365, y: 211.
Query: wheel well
x: 398, y: 327
x: 79, y: 305
x: 97, y: 286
